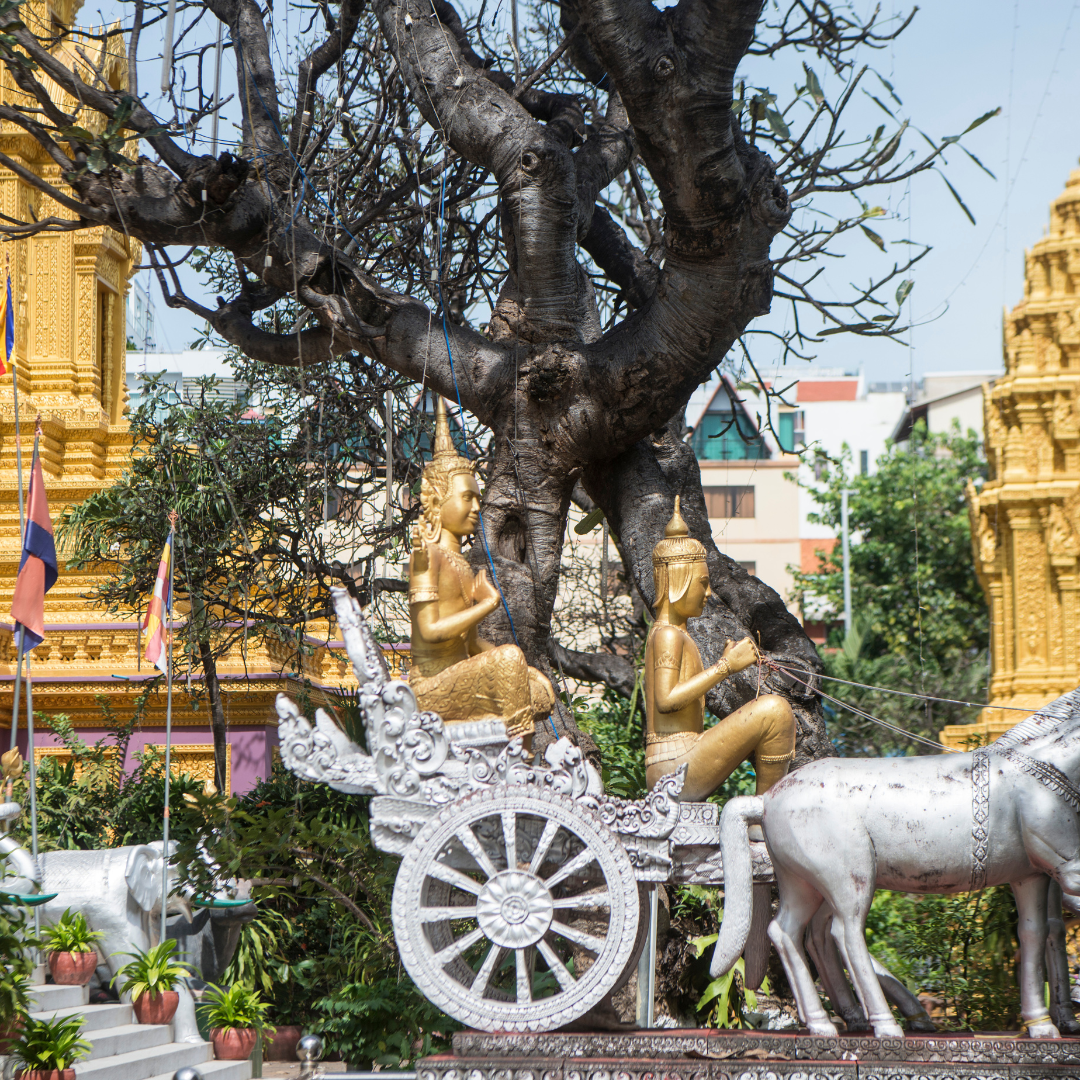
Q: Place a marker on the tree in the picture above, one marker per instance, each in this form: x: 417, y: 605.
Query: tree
x: 920, y: 617
x: 402, y: 159
x: 253, y: 543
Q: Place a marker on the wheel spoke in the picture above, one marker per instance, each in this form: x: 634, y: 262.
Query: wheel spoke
x: 444, y: 956
x: 547, y: 838
x: 509, y: 824
x: 572, y: 867
x: 441, y: 914
x: 476, y: 850
x: 483, y: 976
x: 578, y: 937
x: 452, y: 877
x: 557, y: 967
x: 586, y: 902
x: 524, y: 976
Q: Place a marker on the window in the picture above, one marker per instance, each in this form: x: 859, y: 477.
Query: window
x: 864, y: 461
x: 750, y: 568
x: 791, y: 428
x: 722, y: 435
x: 729, y: 502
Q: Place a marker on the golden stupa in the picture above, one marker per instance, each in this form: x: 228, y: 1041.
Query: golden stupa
x: 1025, y: 521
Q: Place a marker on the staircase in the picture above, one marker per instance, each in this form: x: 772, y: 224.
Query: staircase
x: 124, y: 1049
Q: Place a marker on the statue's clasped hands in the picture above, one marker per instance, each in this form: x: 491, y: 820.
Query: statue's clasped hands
x: 739, y: 655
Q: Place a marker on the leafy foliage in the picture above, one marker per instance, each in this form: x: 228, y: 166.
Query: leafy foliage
x: 238, y: 1006
x: 921, y: 622
x: 71, y: 934
x: 321, y: 949
x: 962, y: 950
x: 16, y: 940
x: 50, y: 1044
x: 89, y: 802
x: 153, y: 971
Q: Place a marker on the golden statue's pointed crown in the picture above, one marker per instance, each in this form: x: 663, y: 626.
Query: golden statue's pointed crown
x: 678, y: 545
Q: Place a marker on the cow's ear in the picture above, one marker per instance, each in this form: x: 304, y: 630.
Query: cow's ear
x: 143, y: 875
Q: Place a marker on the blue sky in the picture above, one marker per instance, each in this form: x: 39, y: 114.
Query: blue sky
x: 959, y: 59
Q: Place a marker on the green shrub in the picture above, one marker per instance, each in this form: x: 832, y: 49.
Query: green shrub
x: 50, y: 1044
x: 153, y: 972
x: 71, y: 934
x: 15, y: 943
x: 236, y: 1007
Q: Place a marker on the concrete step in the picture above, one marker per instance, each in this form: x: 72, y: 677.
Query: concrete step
x: 217, y: 1070
x: 49, y: 998
x: 143, y: 1064
x: 125, y: 1039
x: 95, y: 1017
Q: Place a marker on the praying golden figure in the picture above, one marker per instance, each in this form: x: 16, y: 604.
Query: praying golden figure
x: 676, y: 683
x: 455, y: 672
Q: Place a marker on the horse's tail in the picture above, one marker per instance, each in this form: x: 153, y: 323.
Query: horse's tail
x: 739, y: 814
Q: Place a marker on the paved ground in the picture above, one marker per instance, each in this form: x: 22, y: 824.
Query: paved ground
x: 289, y: 1070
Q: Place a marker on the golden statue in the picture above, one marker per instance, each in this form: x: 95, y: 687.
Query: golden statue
x: 676, y: 682
x: 454, y: 671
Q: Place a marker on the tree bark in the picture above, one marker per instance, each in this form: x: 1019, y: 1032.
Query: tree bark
x: 564, y: 400
x: 217, y: 715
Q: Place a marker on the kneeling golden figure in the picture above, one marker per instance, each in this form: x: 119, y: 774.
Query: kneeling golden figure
x: 455, y: 672
x: 676, y: 683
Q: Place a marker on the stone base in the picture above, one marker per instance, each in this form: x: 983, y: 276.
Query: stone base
x: 750, y: 1055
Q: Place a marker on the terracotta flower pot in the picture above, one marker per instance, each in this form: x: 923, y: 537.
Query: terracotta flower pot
x: 282, y: 1047
x: 156, y: 1008
x: 233, y: 1044
x: 45, y: 1074
x: 73, y: 968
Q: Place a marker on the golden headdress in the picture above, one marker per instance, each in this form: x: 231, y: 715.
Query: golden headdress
x: 435, y: 484
x: 678, y: 545
x: 674, y: 558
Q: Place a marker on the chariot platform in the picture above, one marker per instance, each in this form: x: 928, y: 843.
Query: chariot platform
x: 749, y: 1055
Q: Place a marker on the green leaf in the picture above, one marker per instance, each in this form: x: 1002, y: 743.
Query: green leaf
x: 873, y: 237
x: 776, y: 122
x: 956, y: 196
x: 95, y: 163
x: 589, y: 522
x: 982, y: 120
x: 890, y: 147
x: 73, y: 131
x: 903, y: 291
x: 813, y: 85
x: 757, y: 109
x: 880, y: 103
x: 888, y: 86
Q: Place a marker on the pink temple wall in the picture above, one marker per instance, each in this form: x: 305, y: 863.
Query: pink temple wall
x: 252, y: 747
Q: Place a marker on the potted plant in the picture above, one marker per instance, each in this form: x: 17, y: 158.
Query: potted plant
x: 149, y: 978
x: 47, y: 1049
x: 236, y: 1018
x: 72, y: 955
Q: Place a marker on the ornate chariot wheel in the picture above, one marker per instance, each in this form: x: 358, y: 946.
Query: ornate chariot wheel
x: 516, y: 910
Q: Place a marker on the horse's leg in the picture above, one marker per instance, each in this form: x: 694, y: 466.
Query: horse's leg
x: 918, y: 1019
x: 1031, y: 900
x: 822, y: 950
x: 1057, y: 965
x: 851, y: 902
x: 798, y: 902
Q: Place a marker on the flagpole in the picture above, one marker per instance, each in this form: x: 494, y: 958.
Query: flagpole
x: 30, y: 737
x: 22, y: 521
x: 168, y: 726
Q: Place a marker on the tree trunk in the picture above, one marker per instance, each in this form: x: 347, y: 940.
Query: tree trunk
x: 217, y: 715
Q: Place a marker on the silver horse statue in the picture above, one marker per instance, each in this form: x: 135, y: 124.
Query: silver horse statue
x: 840, y: 828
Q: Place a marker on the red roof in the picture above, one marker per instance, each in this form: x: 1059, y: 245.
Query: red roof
x: 827, y: 390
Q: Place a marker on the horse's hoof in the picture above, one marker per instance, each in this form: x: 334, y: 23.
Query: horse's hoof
x: 824, y: 1028
x: 1045, y: 1030
x: 921, y: 1023
x: 888, y: 1029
